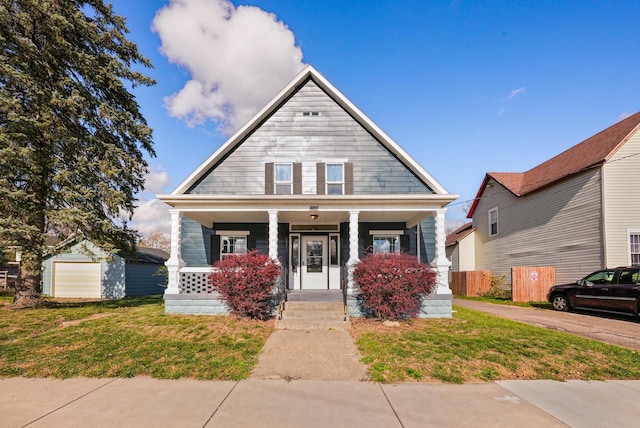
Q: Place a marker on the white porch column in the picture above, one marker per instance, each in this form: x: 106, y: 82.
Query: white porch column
x: 441, y: 263
x: 353, y: 249
x: 273, y: 234
x: 175, y: 261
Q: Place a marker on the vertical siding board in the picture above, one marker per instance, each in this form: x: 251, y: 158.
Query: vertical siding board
x: 532, y: 283
x: 470, y: 283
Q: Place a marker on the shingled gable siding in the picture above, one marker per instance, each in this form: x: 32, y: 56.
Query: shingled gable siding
x: 289, y: 136
x: 621, y: 175
x: 556, y: 226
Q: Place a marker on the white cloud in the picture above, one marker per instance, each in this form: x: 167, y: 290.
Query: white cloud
x: 156, y: 180
x: 238, y: 58
x: 151, y: 216
x: 624, y: 115
x: 515, y: 92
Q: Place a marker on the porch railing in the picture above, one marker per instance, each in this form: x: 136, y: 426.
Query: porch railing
x: 195, y: 280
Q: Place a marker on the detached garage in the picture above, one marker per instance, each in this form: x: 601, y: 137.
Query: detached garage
x: 85, y: 271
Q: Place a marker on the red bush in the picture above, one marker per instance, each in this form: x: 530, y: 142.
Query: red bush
x: 246, y: 283
x: 391, y: 286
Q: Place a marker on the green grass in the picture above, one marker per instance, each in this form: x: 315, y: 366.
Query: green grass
x: 541, y: 305
x: 475, y: 347
x: 125, y: 338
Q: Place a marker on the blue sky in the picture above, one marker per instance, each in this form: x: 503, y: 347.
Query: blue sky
x: 465, y: 87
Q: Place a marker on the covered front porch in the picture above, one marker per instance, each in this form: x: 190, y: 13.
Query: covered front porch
x: 317, y: 241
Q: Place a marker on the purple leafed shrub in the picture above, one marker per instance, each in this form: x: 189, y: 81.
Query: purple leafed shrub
x: 391, y: 286
x: 246, y: 283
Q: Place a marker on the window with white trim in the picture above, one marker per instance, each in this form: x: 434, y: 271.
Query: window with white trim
x: 493, y: 221
x: 232, y: 242
x: 634, y: 247
x: 389, y: 244
x: 283, y: 178
x: 335, y: 178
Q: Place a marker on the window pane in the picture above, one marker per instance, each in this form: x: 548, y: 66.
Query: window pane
x: 233, y: 245
x: 386, y: 244
x: 333, y: 250
x: 283, y: 189
x: 283, y: 172
x: 334, y: 189
x: 334, y: 173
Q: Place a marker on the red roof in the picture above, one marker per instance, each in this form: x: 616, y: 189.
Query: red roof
x: 459, y: 234
x: 591, y: 152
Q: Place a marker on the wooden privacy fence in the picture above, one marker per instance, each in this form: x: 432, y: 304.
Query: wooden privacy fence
x: 531, y: 283
x: 470, y: 283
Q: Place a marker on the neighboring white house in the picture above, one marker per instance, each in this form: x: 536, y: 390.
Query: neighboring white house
x: 579, y: 211
x: 312, y: 181
x: 461, y: 248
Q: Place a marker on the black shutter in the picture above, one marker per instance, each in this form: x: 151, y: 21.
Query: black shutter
x: 215, y: 248
x: 268, y: 178
x: 348, y: 178
x: 368, y: 243
x: 320, y: 180
x: 251, y: 242
x: 297, y: 178
x: 404, y: 244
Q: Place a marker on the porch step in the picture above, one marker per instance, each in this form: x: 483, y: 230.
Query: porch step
x: 313, y: 316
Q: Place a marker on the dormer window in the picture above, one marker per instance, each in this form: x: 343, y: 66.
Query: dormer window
x: 283, y: 178
x: 311, y: 113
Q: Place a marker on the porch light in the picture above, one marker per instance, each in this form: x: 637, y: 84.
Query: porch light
x: 314, y: 212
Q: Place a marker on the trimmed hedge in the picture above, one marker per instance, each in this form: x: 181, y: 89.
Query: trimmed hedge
x: 392, y: 286
x: 246, y: 283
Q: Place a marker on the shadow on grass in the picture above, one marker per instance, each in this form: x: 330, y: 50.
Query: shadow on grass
x: 127, y: 302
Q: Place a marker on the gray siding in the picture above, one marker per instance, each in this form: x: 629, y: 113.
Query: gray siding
x: 558, y: 226
x: 143, y: 279
x: 112, y: 268
x: 622, y: 200
x: 288, y: 136
x: 428, y: 244
x: 196, y: 240
x: 196, y: 243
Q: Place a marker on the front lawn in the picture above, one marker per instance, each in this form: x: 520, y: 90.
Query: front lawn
x: 125, y: 338
x: 133, y: 337
x: 476, y: 347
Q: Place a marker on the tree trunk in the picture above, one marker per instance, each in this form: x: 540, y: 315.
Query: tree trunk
x: 28, y: 282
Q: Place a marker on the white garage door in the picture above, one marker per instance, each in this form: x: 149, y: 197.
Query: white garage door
x: 73, y: 279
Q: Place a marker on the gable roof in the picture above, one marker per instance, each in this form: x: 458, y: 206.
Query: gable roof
x: 591, y: 152
x: 459, y: 234
x: 309, y: 73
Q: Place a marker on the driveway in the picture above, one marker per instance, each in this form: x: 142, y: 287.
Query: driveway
x: 622, y: 330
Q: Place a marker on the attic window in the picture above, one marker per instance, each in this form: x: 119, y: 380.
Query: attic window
x: 311, y: 113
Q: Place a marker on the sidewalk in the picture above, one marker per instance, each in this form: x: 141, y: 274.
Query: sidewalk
x: 145, y: 402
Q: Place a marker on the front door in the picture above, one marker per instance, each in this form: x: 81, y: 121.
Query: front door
x: 315, y: 266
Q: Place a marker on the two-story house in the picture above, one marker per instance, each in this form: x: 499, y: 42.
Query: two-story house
x: 313, y: 182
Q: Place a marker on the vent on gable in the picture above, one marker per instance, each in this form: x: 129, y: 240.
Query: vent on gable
x: 311, y: 113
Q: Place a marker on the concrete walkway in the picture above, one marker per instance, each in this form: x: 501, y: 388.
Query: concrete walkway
x: 621, y: 330
x: 144, y: 402
x: 310, y: 355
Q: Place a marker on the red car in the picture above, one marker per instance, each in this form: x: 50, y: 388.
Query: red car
x: 609, y: 289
